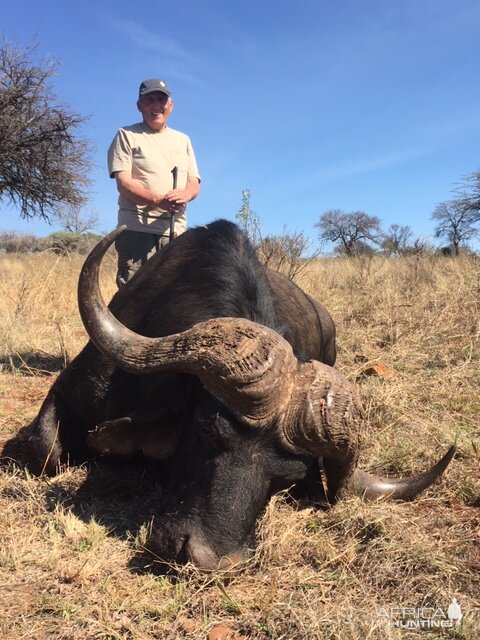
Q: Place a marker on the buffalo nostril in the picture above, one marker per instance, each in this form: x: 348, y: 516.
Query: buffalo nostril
x: 206, y: 559
x: 168, y: 546
x: 200, y: 554
x: 172, y: 545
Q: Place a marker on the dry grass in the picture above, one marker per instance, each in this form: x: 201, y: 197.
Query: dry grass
x: 71, y: 562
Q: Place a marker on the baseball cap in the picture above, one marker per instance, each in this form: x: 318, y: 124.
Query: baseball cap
x: 148, y: 86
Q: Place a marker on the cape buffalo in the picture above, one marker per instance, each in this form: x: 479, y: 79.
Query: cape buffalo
x: 221, y: 369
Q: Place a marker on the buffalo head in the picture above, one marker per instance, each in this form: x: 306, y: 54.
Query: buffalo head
x: 260, y: 419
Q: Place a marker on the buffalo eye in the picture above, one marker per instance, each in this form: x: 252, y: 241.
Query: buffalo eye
x: 209, y: 430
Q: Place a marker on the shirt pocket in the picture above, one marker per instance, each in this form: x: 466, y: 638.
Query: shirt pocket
x: 140, y: 163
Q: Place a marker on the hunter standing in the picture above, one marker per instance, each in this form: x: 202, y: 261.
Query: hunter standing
x: 156, y: 175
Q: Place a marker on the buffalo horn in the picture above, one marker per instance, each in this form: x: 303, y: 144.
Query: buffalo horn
x: 324, y: 417
x: 245, y: 365
x: 371, y: 487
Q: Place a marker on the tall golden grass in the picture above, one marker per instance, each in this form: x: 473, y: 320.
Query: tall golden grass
x: 70, y: 547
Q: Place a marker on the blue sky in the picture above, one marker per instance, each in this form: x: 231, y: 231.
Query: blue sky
x: 312, y: 105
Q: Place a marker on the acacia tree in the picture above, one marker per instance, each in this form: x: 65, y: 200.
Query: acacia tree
x: 396, y: 240
x: 455, y: 223
x: 74, y: 220
x: 43, y: 159
x: 351, y: 233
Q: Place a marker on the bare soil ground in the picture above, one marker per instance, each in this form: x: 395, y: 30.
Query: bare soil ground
x: 71, y: 547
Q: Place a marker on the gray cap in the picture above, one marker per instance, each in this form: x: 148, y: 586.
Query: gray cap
x: 148, y: 86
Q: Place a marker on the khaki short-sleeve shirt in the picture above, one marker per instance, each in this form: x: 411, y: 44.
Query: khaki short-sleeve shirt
x: 150, y: 157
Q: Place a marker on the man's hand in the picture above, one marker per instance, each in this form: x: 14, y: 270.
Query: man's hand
x: 133, y: 190
x: 179, y: 197
x: 167, y: 205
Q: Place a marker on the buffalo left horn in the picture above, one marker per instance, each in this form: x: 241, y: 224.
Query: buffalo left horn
x: 239, y: 362
x: 253, y: 371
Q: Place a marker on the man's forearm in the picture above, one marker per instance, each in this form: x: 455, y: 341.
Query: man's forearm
x: 192, y: 188
x: 134, y: 191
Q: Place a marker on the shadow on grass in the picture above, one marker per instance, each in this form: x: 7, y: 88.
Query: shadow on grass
x: 123, y: 495
x: 32, y: 363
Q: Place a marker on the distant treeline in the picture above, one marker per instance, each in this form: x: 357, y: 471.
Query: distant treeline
x: 60, y: 242
x: 289, y: 253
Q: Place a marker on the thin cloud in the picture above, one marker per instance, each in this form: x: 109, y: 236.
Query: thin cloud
x: 369, y: 165
x: 460, y: 125
x: 359, y: 166
x: 437, y: 136
x: 153, y: 41
x: 176, y: 60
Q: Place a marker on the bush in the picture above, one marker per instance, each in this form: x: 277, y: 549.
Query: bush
x: 285, y: 253
x: 13, y: 242
x: 64, y: 242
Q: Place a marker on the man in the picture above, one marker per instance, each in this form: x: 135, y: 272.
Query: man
x: 144, y: 159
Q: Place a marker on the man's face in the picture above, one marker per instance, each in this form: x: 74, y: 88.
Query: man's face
x: 155, y: 108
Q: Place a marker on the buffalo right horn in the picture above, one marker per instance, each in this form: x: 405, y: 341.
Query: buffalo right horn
x: 324, y: 417
x: 371, y: 487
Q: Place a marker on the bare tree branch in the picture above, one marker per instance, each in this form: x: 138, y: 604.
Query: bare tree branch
x: 43, y: 160
x: 286, y: 253
x: 468, y: 196
x: 74, y: 220
x: 455, y: 223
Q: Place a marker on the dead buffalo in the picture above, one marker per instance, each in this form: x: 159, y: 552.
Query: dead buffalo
x: 219, y: 369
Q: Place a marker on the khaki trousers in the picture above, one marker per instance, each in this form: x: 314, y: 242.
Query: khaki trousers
x: 134, y: 248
